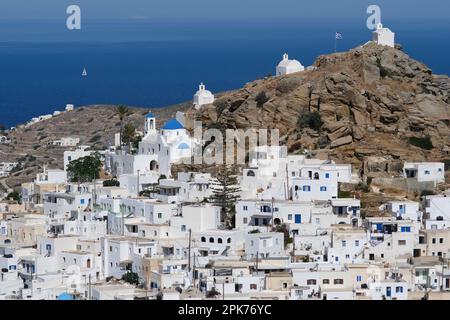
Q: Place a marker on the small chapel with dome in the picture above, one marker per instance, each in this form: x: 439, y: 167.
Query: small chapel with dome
x: 202, y: 96
x: 287, y: 66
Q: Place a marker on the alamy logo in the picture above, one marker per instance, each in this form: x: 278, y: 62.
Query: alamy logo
x: 74, y: 19
x: 375, y: 17
x: 229, y: 146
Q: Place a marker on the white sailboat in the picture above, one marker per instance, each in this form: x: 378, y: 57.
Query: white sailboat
x: 84, y: 74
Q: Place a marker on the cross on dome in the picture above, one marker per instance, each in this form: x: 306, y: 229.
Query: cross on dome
x: 379, y: 26
x: 285, y: 56
x: 201, y: 86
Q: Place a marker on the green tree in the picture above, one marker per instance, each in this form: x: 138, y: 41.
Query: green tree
x: 85, y: 169
x: 261, y: 98
x: 311, y: 120
x: 129, y: 134
x: 14, y: 196
x: 122, y: 111
x: 131, y: 277
x: 225, y: 192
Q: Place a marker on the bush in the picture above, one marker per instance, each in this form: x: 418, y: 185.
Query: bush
x: 363, y: 187
x: 212, y: 293
x: 424, y: 143
x: 344, y: 194
x: 288, y: 85
x: 131, y: 277
x: 111, y: 183
x: 221, y: 105
x: 261, y: 98
x: 14, y: 196
x: 310, y: 120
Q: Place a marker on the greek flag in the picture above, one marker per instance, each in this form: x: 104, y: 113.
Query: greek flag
x: 338, y: 36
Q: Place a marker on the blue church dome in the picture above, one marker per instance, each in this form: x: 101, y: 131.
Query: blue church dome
x: 65, y: 296
x: 183, y: 146
x: 172, y: 125
x: 150, y: 115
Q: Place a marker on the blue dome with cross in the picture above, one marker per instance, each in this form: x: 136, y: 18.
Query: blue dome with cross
x: 172, y: 125
x: 150, y: 115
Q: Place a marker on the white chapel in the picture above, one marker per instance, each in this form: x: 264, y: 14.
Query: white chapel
x: 287, y: 66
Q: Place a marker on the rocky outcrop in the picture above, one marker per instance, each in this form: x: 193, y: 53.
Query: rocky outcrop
x: 371, y: 100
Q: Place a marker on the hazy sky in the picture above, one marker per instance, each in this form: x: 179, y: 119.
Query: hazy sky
x: 224, y: 9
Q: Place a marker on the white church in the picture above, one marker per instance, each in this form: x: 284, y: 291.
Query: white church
x: 202, y: 96
x: 287, y: 66
x: 383, y: 36
x: 157, y: 150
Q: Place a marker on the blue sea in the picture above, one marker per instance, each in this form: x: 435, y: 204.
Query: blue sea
x: 147, y: 63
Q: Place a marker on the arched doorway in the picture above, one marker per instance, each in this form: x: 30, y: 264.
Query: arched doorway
x: 153, y: 165
x: 88, y: 263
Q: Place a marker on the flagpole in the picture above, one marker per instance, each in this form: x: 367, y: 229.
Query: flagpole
x: 335, y: 43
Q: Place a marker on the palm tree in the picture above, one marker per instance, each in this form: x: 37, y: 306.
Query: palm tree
x: 122, y: 111
x: 129, y: 134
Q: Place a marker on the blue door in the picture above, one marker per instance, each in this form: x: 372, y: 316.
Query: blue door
x: 388, y: 291
x: 298, y: 218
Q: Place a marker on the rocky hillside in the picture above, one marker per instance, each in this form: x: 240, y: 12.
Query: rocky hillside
x: 94, y: 125
x: 373, y: 106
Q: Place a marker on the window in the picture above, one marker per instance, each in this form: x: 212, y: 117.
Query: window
x: 311, y: 282
x: 326, y: 281
x: 399, y: 289
x: 183, y: 228
x: 356, y: 243
x: 110, y: 248
x: 211, y: 240
x: 433, y: 240
x: 219, y: 240
x: 427, y: 172
x: 203, y: 239
x: 358, y: 278
x: 244, y: 220
x: 402, y: 242
x: 229, y: 240
x: 245, y: 208
x: 441, y: 240
x: 344, y: 243
x: 338, y: 281
x: 253, y: 286
x: 159, y: 215
x: 306, y: 188
x: 323, y: 189
x: 327, y: 176
x: 81, y: 201
x: 405, y: 229
x: 289, y: 216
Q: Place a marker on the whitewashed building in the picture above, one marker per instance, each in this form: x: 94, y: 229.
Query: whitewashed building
x: 202, y: 96
x: 384, y: 36
x: 287, y: 66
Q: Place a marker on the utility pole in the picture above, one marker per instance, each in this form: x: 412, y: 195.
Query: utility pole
x: 189, y: 251
x: 123, y: 222
x: 272, y: 213
x: 89, y: 292
x: 138, y: 172
x: 193, y: 271
x: 293, y: 249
